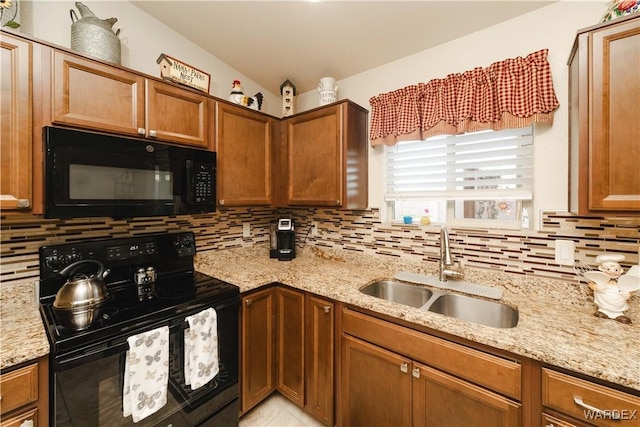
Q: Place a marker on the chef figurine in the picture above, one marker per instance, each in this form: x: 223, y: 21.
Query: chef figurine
x: 611, y: 301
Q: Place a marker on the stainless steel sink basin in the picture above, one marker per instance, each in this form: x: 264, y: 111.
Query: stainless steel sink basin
x: 475, y: 310
x: 462, y: 307
x: 399, y: 292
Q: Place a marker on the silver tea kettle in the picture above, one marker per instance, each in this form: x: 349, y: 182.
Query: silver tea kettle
x: 82, y: 290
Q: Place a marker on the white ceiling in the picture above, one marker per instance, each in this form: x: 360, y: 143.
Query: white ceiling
x: 270, y: 41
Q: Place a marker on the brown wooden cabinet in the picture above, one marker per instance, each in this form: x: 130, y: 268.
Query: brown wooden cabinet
x: 258, y: 368
x: 305, y: 351
x: 376, y: 386
x: 15, y: 124
x: 326, y: 161
x: 603, y: 118
x: 92, y: 95
x: 319, y: 351
x: 290, y: 344
x: 302, y: 350
x: 392, y: 372
x: 588, y: 403
x: 24, y: 396
x: 439, y: 399
x: 243, y: 143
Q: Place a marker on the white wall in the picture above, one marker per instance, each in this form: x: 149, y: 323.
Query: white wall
x: 553, y: 27
x: 143, y: 39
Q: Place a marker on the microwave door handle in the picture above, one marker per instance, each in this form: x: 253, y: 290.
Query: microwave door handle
x: 190, y: 181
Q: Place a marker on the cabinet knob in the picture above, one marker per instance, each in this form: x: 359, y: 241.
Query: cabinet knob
x: 141, y: 131
x: 416, y: 372
x: 550, y: 425
x: 249, y: 302
x: 337, y: 201
x: 23, y: 203
x: 404, y: 367
x: 221, y: 202
x: 153, y: 133
x: 327, y: 308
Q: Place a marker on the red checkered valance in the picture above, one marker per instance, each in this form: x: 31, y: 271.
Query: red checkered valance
x: 512, y: 93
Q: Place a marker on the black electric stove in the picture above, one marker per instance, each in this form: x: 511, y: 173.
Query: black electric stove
x: 151, y: 283
x: 177, y: 288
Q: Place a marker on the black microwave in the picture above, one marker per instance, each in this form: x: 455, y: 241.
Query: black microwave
x: 91, y: 174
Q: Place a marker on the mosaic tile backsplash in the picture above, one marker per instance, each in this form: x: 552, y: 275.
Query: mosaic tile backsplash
x: 518, y: 252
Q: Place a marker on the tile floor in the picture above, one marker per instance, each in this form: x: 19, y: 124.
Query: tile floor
x: 277, y: 411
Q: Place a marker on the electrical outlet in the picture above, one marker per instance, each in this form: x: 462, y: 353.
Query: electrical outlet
x: 314, y: 228
x: 565, y: 252
x: 246, y: 229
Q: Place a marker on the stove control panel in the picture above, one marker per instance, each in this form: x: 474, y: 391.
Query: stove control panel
x: 184, y: 244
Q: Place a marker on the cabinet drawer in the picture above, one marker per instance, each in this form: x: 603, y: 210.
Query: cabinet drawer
x: 560, y: 392
x: 18, y: 388
x: 20, y: 420
x: 500, y: 375
x: 550, y: 421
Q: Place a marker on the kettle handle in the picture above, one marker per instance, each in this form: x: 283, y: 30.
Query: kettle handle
x: 72, y: 14
x: 69, y: 269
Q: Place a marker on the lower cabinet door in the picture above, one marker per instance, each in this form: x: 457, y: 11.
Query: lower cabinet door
x: 376, y: 386
x: 258, y: 335
x: 290, y: 344
x: 440, y: 399
x: 319, y: 354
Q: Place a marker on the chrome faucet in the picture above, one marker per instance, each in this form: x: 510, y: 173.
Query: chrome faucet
x: 449, y: 269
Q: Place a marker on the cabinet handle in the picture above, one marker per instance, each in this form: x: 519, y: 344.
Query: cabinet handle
x: 249, y: 302
x: 404, y: 367
x: 27, y: 423
x: 152, y: 133
x: 327, y: 308
x: 415, y: 373
x: 141, y: 131
x: 579, y: 402
x: 23, y: 203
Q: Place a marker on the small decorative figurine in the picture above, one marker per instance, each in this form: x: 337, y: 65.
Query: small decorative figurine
x: 237, y: 96
x: 611, y: 289
x: 288, y: 92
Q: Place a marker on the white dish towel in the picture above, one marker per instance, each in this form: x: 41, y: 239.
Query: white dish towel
x: 201, y: 348
x: 146, y: 373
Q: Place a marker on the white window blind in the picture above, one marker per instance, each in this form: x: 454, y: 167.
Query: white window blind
x: 480, y: 165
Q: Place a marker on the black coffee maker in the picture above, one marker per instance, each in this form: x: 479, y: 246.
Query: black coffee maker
x: 286, y: 239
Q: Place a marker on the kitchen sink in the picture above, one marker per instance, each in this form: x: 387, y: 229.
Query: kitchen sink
x: 475, y: 310
x: 462, y: 307
x: 402, y: 293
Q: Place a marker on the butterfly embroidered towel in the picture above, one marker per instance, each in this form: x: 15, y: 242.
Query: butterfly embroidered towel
x: 146, y: 373
x: 201, y: 348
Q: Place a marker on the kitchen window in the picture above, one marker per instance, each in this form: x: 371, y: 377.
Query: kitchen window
x: 479, y: 179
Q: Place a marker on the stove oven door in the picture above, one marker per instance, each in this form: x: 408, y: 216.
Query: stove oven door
x: 87, y: 384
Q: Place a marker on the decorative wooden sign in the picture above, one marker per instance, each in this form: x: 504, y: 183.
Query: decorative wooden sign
x: 179, y: 72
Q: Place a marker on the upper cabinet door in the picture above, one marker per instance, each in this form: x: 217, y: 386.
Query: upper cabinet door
x: 96, y: 96
x: 326, y: 157
x: 604, y: 125
x: 177, y: 115
x: 316, y: 158
x: 615, y: 67
x: 15, y: 123
x: 243, y: 144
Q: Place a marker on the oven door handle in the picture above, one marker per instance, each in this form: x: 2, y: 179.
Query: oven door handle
x: 64, y: 362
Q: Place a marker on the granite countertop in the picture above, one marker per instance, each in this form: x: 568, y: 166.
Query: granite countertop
x: 556, y: 322
x: 22, y: 334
